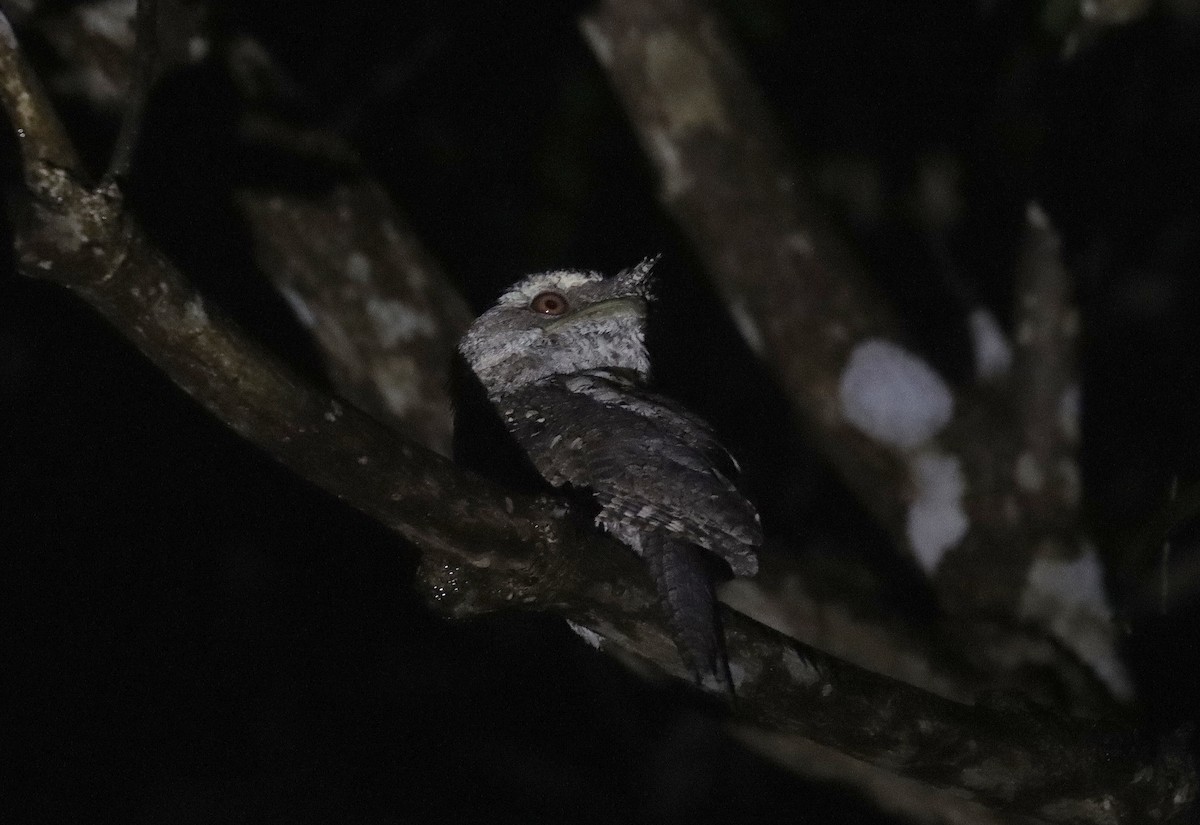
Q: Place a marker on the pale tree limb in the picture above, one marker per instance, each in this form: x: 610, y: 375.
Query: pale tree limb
x: 95, y: 41
x: 355, y: 274
x: 937, y: 467
x: 821, y: 600
x: 371, y: 295
x: 483, y: 550
x: 1065, y: 590
x: 1045, y: 376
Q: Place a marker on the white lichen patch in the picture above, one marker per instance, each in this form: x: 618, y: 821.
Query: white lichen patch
x: 1113, y: 12
x: 1024, y: 334
x: 675, y: 178
x: 415, y: 277
x: 737, y: 674
x: 358, y: 268
x: 1068, y: 596
x: 799, y: 243
x: 6, y: 33
x: 111, y: 20
x: 687, y: 90
x: 394, y: 321
x: 586, y: 633
x: 300, y: 309
x: 337, y: 345
x: 1036, y: 216
x: 936, y: 521
x: 836, y: 331
x: 198, y: 48
x: 1028, y: 473
x: 1069, y: 408
x: 892, y: 395
x: 747, y: 327
x: 598, y: 39
x: 66, y: 228
x: 802, y: 671
x: 993, y: 353
x: 194, y: 316
x: 399, y: 383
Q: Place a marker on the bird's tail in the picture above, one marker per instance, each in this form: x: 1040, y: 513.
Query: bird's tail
x: 685, y: 588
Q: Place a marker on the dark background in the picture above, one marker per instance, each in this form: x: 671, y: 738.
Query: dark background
x: 198, y: 636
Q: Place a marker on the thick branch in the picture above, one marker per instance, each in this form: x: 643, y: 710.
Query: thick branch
x: 384, y: 317
x: 377, y: 303
x: 826, y: 602
x: 937, y: 467
x: 41, y: 135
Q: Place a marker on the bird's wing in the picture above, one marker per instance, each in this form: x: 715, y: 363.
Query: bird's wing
x: 613, y: 388
x: 649, y: 467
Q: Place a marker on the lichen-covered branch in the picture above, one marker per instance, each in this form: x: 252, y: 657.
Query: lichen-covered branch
x: 1065, y: 589
x: 1045, y: 377
x: 383, y: 314
x: 356, y: 276
x: 81, y: 237
x: 387, y: 342
x: 823, y: 602
x: 95, y: 42
x: 40, y: 134
x: 939, y: 468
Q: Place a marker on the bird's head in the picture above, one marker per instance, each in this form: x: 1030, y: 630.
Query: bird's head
x: 561, y: 322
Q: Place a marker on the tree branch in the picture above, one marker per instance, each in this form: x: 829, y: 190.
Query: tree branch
x: 1045, y: 379
x: 145, y: 55
x: 381, y: 310
x: 937, y: 467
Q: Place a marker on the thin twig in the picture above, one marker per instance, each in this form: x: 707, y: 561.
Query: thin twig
x: 140, y: 84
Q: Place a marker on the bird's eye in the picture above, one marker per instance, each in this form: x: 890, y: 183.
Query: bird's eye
x: 549, y: 303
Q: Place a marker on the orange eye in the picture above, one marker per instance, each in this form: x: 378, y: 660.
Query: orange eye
x: 549, y: 303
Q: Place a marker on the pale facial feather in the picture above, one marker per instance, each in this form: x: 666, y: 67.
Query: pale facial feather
x: 508, y: 346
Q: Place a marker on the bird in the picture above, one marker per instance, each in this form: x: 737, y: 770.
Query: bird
x: 562, y: 358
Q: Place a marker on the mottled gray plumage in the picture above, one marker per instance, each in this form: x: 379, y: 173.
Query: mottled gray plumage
x: 563, y: 360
